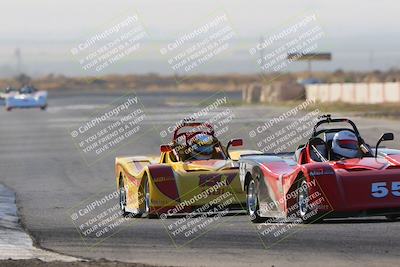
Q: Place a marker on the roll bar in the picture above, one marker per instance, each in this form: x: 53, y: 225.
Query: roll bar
x: 192, y: 124
x: 326, y: 119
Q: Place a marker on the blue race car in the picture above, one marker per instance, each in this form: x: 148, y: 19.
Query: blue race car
x: 26, y: 97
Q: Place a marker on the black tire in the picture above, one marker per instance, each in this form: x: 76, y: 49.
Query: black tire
x: 147, y: 201
x: 153, y: 216
x: 303, y: 208
x: 122, y: 199
x: 252, y: 203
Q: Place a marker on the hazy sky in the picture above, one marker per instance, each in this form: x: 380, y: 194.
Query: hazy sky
x: 359, y: 26
x: 53, y: 19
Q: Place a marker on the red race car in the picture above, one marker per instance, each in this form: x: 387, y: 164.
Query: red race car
x: 335, y: 174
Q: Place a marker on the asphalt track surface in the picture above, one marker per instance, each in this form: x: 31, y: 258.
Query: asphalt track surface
x: 39, y: 160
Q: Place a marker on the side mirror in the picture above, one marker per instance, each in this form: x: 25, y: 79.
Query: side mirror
x: 165, y: 148
x: 387, y: 137
x: 234, y: 142
x: 384, y: 137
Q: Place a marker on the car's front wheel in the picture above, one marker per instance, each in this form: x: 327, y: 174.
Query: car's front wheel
x: 302, y: 201
x: 147, y: 201
x: 304, y: 210
x: 122, y: 199
x: 253, y: 208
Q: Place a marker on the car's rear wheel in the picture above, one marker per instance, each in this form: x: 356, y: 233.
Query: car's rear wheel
x: 253, y: 208
x: 8, y: 108
x: 43, y: 107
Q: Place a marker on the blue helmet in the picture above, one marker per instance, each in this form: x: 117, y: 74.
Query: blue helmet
x: 202, y: 144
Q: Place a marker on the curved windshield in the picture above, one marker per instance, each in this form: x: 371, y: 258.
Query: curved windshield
x: 27, y: 90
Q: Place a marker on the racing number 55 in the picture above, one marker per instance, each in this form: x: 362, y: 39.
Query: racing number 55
x: 380, y: 190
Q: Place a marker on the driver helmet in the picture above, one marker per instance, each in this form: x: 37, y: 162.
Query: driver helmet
x: 345, y: 144
x: 202, y: 147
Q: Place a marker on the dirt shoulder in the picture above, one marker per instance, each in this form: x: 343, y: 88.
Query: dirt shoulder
x: 386, y: 110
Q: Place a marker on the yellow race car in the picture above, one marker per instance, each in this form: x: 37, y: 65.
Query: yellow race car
x: 191, y: 174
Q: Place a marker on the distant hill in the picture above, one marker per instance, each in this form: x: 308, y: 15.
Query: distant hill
x: 227, y: 82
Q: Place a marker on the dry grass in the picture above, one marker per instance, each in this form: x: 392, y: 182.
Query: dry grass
x: 386, y: 110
